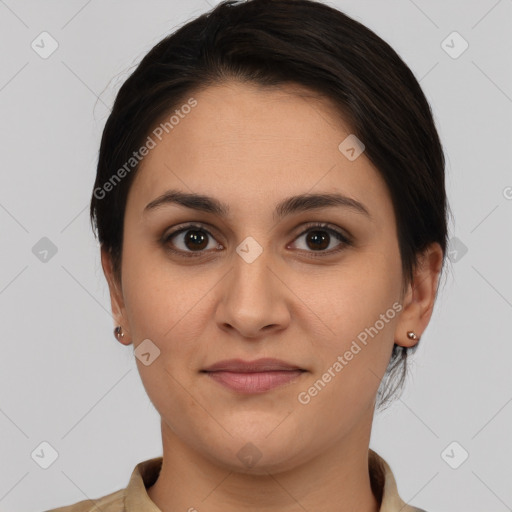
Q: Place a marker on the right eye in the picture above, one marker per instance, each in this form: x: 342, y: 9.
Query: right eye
x: 191, y: 241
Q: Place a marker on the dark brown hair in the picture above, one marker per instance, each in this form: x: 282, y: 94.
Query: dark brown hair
x: 274, y: 42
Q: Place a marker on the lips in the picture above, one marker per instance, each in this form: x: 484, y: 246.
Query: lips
x: 259, y: 365
x: 251, y: 377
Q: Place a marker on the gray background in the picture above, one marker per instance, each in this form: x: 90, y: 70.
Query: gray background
x: 65, y: 380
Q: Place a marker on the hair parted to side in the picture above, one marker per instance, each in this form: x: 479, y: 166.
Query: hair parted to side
x: 304, y: 42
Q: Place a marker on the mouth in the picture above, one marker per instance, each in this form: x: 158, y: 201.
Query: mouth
x: 253, y: 376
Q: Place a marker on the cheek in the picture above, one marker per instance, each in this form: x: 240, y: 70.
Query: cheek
x: 164, y: 305
x: 168, y: 310
x: 158, y: 296
x: 361, y: 307
x: 356, y: 294
x: 169, y: 306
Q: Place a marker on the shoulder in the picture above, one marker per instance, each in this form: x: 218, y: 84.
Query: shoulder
x: 384, y: 486
x: 113, y: 502
x: 133, y: 498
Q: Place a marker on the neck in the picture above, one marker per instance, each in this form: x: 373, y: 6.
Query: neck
x: 335, y: 481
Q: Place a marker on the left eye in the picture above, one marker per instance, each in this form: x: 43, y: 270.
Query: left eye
x: 320, y: 239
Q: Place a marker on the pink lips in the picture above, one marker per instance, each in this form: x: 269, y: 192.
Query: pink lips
x: 253, y: 376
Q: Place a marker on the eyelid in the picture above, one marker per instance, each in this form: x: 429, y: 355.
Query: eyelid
x: 326, y: 226
x: 203, y: 226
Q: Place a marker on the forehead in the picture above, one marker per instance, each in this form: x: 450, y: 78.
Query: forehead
x: 250, y: 145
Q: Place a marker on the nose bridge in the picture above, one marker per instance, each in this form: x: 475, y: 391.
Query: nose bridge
x: 251, y: 276
x: 251, y: 295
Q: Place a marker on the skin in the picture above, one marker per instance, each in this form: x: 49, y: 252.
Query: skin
x: 251, y: 147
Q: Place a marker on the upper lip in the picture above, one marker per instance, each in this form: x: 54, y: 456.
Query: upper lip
x: 258, y: 365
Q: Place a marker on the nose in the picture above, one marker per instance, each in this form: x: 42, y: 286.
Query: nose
x: 254, y: 300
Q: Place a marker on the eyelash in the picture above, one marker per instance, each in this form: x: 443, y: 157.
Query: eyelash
x: 345, y: 241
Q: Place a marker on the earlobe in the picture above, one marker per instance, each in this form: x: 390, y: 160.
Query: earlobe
x: 116, y: 296
x: 420, y: 297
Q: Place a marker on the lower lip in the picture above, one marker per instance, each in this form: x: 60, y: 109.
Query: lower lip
x: 257, y: 382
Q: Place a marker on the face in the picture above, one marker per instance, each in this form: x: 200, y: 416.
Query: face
x: 315, y: 284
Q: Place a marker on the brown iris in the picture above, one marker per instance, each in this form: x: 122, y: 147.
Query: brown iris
x: 196, y: 239
x: 319, y: 239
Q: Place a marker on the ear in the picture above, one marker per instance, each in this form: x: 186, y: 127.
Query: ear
x: 116, y: 295
x: 419, y: 300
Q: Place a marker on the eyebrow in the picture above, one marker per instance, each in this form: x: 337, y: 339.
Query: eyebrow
x: 289, y: 206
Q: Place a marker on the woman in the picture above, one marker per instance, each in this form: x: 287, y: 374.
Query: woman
x: 272, y: 216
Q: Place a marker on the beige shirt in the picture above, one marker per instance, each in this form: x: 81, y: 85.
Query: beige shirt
x: 134, y: 497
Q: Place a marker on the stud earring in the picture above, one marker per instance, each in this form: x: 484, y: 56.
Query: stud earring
x: 118, y: 332
x: 412, y: 335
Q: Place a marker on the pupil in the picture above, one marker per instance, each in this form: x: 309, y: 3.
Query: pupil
x: 321, y: 238
x: 195, y: 239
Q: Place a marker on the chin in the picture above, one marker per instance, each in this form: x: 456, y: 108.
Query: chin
x: 259, y: 455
